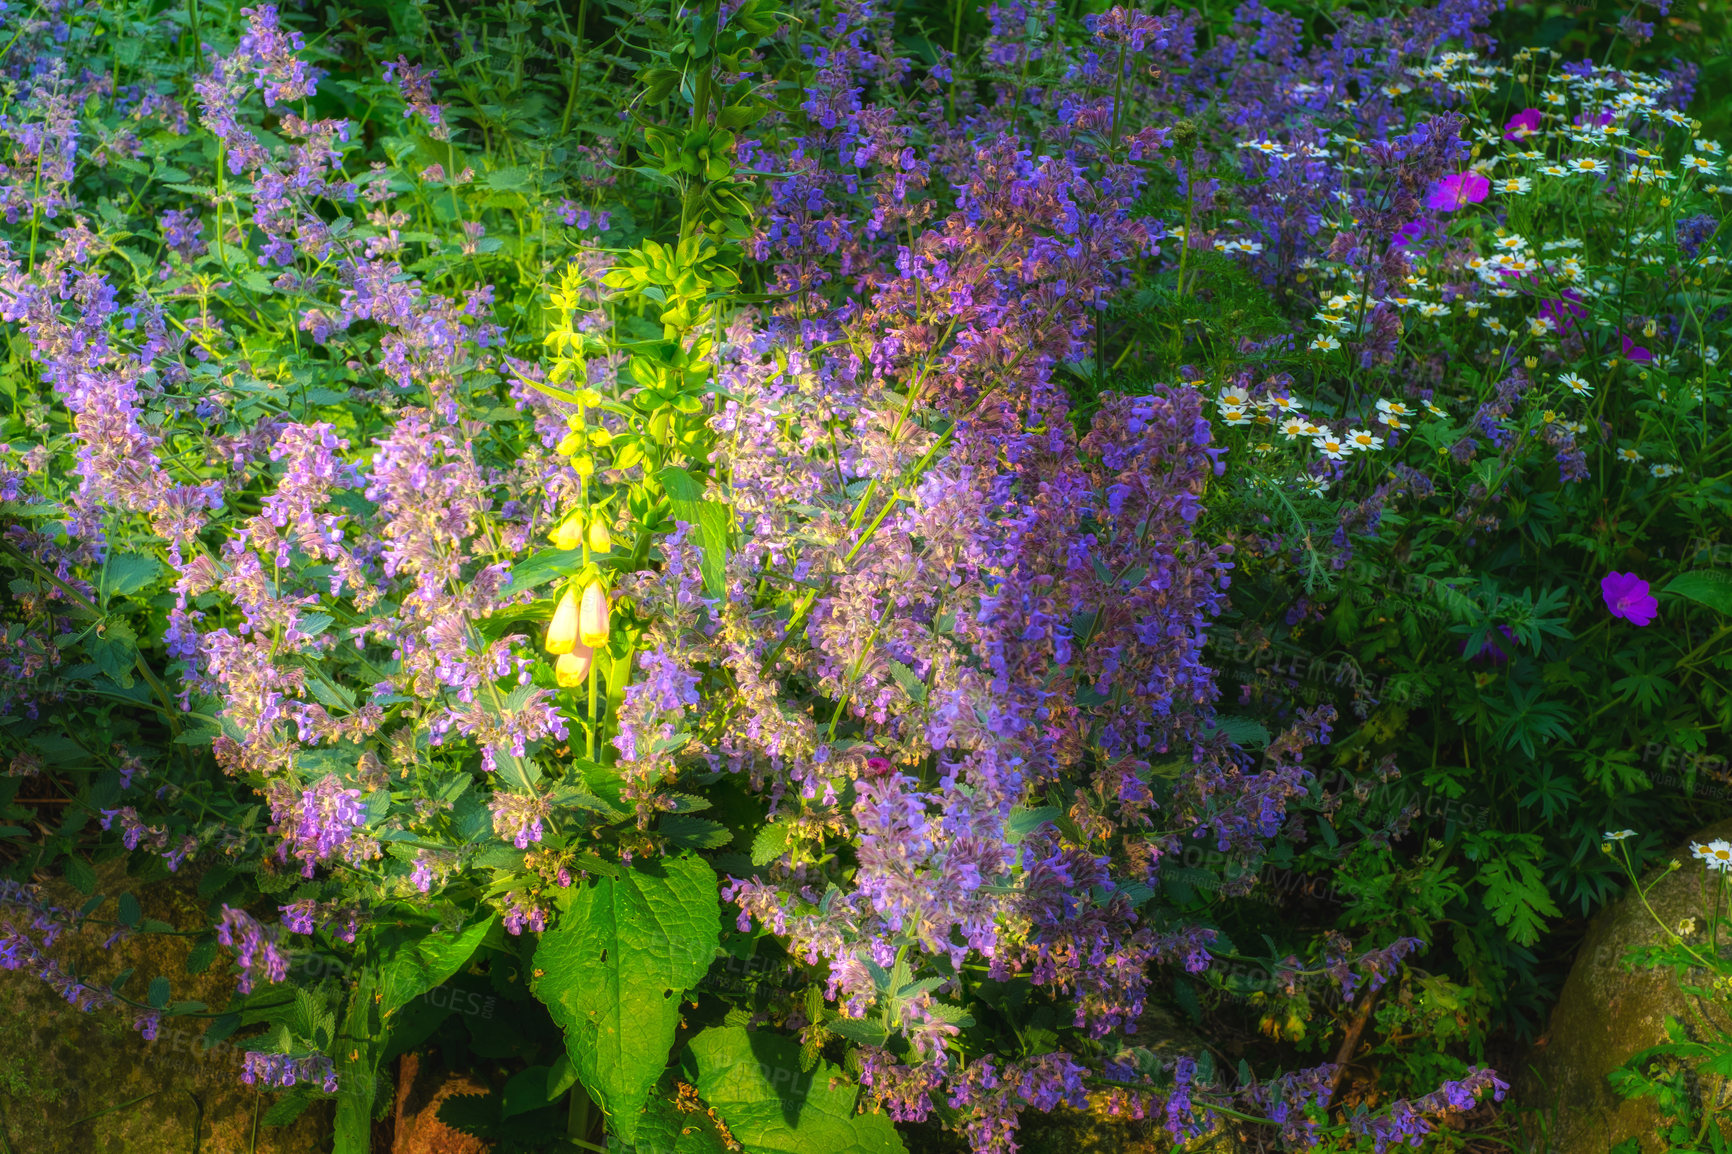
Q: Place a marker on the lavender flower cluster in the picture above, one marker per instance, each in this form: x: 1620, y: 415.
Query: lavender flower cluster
x: 952, y: 642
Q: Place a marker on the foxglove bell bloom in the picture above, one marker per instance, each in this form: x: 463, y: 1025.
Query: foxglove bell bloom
x: 569, y: 535
x: 1458, y: 191
x: 592, y: 616
x: 1627, y: 596
x: 571, y: 668
x: 562, y: 631
x: 600, y: 539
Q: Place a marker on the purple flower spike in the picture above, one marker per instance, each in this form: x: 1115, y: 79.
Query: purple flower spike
x: 1523, y: 124
x: 1458, y: 191
x: 1627, y: 596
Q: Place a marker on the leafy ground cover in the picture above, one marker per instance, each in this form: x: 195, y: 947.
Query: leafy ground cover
x: 843, y: 559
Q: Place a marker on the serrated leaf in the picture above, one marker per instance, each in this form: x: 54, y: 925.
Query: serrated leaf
x: 771, y: 843
x: 861, y: 1031
x: 1243, y: 731
x: 910, y: 683
x: 80, y: 875
x: 1515, y: 892
x: 1025, y: 821
x: 128, y: 911
x: 754, y: 1081
x: 128, y: 573
x: 329, y: 695
x: 689, y: 832
x: 613, y: 970
x: 160, y: 992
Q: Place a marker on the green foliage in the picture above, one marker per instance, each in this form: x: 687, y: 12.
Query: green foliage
x: 774, y: 1103
x: 614, y: 972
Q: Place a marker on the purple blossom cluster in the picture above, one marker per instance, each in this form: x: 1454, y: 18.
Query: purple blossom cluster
x: 957, y: 647
x: 283, y: 1071
x: 258, y: 950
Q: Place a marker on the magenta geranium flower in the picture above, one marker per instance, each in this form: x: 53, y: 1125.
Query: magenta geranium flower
x: 1523, y: 124
x: 1458, y: 191
x: 1563, y: 313
x: 1412, y: 233
x: 1637, y: 353
x: 1627, y: 596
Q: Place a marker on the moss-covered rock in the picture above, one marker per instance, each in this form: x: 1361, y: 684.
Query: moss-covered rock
x: 1609, y: 1011
x: 88, y: 1083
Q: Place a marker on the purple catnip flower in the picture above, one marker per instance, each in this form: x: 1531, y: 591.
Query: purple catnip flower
x: 1627, y: 596
x: 323, y: 822
x: 282, y: 1071
x: 517, y: 818
x: 416, y: 86
x: 256, y: 946
x: 1636, y: 353
x: 1458, y: 191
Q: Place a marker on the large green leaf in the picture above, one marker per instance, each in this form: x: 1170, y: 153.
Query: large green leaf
x: 755, y: 1082
x: 1704, y: 586
x: 613, y: 970
x: 710, y: 521
x: 661, y: 1129
x: 413, y: 968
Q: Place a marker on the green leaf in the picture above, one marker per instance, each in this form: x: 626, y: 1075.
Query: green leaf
x: 613, y: 971
x: 561, y: 1076
x: 545, y: 566
x: 128, y: 573
x: 771, y: 843
x: 710, y: 520
x: 1515, y: 892
x: 910, y: 683
x: 689, y: 832
x: 159, y: 994
x: 1705, y: 587
x: 663, y: 1130
x: 115, y: 651
x: 128, y: 911
x: 772, y: 1106
x: 415, y: 967
x: 80, y: 875
x: 526, y: 1091
x: 1025, y: 821
x: 1243, y: 731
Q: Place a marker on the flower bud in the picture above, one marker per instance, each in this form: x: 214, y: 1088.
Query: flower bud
x: 562, y: 631
x: 600, y: 540
x: 592, y: 617
x: 569, y: 535
x: 573, y: 667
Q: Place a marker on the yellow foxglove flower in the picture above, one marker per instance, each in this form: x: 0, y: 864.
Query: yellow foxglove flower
x: 569, y: 535
x: 592, y: 617
x: 600, y: 540
x: 573, y: 667
x: 562, y: 631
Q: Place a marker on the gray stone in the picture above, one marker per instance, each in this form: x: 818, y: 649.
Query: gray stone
x: 1609, y: 1011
